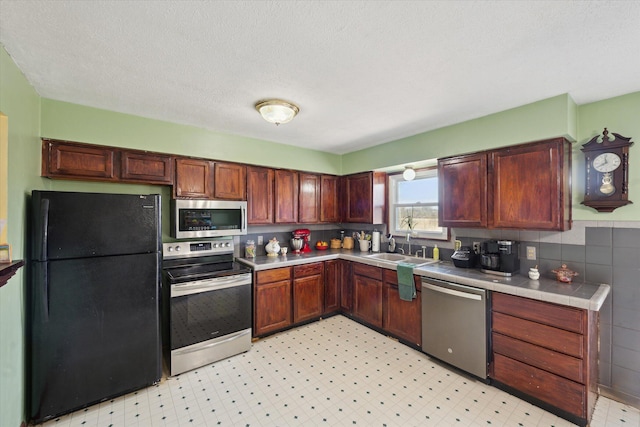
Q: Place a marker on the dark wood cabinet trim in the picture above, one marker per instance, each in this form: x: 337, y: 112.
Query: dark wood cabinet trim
x: 7, y: 270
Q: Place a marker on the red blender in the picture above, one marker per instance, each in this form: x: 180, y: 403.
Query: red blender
x: 300, y: 240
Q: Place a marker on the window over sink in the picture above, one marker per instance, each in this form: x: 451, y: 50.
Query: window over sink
x: 413, y: 206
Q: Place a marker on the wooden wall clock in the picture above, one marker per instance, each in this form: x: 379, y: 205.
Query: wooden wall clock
x: 607, y: 172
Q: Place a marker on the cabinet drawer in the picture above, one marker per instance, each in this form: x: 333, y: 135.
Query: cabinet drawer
x: 542, y: 335
x: 391, y: 277
x: 552, y: 389
x: 268, y: 276
x: 367, y: 270
x: 308, y: 269
x: 559, y: 316
x: 549, y: 360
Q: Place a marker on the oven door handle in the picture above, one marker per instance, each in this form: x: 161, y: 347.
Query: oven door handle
x: 196, y: 348
x: 213, y: 284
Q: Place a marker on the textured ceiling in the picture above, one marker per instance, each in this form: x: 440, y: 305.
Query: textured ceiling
x: 362, y: 72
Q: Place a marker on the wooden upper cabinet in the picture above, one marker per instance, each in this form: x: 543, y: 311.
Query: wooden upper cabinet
x: 260, y: 195
x: 146, y: 167
x: 194, y: 179
x: 230, y: 181
x: 65, y: 159
x: 286, y: 196
x: 524, y: 186
x: 364, y: 197
x: 309, y: 201
x: 329, y: 191
x: 88, y: 162
x: 462, y: 187
x: 530, y: 186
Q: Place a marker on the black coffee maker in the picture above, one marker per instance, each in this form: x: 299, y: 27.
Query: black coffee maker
x: 500, y: 257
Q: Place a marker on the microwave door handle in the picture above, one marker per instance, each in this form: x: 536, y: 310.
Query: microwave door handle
x: 244, y: 218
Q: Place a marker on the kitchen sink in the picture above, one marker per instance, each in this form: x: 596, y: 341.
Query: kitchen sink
x: 388, y: 257
x: 397, y: 258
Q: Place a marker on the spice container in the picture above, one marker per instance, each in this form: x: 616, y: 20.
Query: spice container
x: 250, y: 249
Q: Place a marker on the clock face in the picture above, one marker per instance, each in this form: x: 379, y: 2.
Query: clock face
x: 606, y: 162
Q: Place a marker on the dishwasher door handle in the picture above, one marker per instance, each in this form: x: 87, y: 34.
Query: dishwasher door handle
x: 453, y: 292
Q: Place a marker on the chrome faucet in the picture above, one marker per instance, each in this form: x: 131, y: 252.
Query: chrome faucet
x: 423, y: 251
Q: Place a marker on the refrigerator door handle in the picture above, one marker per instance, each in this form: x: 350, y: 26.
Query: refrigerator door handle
x: 44, y: 217
x: 45, y: 292
x: 40, y: 297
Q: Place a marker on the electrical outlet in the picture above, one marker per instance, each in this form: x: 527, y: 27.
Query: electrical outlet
x: 531, y: 252
x: 476, y: 247
x: 260, y: 240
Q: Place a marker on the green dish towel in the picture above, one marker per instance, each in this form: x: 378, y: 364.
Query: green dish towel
x: 406, y: 287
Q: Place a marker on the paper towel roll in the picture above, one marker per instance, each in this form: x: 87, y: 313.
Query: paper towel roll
x: 375, y: 241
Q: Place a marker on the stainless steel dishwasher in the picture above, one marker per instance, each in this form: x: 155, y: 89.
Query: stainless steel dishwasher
x: 455, y: 324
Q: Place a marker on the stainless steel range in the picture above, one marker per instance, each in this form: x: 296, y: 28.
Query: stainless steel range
x: 207, y: 304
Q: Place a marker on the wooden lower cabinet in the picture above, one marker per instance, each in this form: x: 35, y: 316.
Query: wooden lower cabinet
x: 402, y: 319
x: 272, y: 300
x: 331, y: 286
x: 367, y: 294
x: 546, y: 352
x: 346, y: 287
x: 308, y: 291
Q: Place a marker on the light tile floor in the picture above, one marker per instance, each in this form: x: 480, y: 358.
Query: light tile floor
x: 334, y: 372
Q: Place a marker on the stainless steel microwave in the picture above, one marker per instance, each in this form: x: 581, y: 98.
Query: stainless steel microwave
x: 207, y: 218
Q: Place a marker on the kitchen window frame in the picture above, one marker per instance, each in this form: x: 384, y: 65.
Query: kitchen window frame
x: 393, y: 179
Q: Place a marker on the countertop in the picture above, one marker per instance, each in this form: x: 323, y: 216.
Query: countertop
x: 589, y: 296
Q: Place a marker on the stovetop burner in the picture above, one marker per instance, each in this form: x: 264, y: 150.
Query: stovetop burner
x: 192, y: 261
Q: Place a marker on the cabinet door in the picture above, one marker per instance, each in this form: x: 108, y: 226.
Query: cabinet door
x: 400, y: 318
x: 194, y: 179
x: 346, y: 287
x: 62, y: 159
x: 146, y: 168
x: 462, y: 188
x: 309, y: 202
x: 365, y: 197
x: 230, y: 181
x: 308, y: 297
x: 529, y: 186
x: 329, y: 207
x: 367, y: 300
x: 286, y: 195
x: 272, y: 307
x: 331, y: 286
x: 358, y: 196
x: 259, y: 195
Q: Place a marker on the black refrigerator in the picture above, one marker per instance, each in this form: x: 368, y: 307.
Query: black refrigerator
x: 93, y: 299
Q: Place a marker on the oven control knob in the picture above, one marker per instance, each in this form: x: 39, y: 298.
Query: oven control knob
x: 227, y: 245
x: 215, y: 245
x: 170, y: 249
x: 177, y: 248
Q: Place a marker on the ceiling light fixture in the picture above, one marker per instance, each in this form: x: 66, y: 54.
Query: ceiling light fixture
x: 408, y: 173
x: 277, y: 111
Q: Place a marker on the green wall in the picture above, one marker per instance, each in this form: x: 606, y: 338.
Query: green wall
x: 21, y: 104
x: 544, y: 119
x: 61, y: 120
x: 31, y: 117
x: 622, y: 116
x: 558, y: 116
